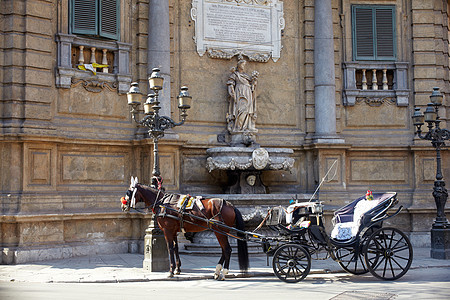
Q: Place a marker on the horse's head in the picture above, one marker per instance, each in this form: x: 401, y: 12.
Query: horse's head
x: 130, y: 197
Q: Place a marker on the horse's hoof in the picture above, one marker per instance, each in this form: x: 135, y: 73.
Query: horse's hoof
x: 219, y: 277
x: 170, y: 275
x: 178, y: 272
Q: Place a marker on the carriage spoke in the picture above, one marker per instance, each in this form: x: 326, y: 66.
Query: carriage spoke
x: 391, y: 240
x: 378, y: 264
x: 400, y: 266
x: 385, y: 267
x: 401, y: 248
x: 400, y: 257
x: 392, y: 268
x: 297, y: 272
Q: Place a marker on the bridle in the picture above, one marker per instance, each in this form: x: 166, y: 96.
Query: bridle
x: 129, y: 201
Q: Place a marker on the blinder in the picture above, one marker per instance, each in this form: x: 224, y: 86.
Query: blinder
x: 129, y: 201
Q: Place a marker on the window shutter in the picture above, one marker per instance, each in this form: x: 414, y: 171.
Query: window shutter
x: 373, y: 32
x: 385, y: 32
x: 84, y: 16
x: 363, y: 33
x: 109, y: 19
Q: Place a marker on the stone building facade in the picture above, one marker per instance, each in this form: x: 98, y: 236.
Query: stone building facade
x: 68, y: 144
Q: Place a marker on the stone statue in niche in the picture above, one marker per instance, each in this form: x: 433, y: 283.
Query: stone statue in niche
x: 246, y: 183
x: 241, y: 116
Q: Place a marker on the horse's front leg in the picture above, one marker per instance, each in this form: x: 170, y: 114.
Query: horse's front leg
x: 225, y: 259
x: 170, y: 249
x: 177, y: 256
x: 217, y: 273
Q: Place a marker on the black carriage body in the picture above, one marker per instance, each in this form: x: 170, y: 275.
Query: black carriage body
x: 385, y: 252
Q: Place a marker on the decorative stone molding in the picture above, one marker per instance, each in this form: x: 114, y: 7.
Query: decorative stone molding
x: 243, y: 158
x: 230, y: 53
x: 260, y: 158
x: 376, y: 101
x: 232, y: 164
x: 94, y: 86
x: 67, y: 73
x: 286, y: 164
x: 225, y: 28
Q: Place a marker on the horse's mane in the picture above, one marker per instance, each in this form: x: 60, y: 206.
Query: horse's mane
x: 150, y: 189
x: 147, y: 187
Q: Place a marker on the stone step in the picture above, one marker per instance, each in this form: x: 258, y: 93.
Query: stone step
x: 205, y: 249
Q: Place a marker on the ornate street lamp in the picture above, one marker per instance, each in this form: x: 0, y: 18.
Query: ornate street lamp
x: 155, y: 123
x: 440, y: 231
x: 155, y: 252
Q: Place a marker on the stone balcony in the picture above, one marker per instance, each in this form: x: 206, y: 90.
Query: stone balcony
x: 375, y: 83
x: 74, y: 50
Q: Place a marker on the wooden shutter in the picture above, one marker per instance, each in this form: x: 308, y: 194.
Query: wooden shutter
x: 109, y: 19
x: 373, y: 32
x: 385, y: 32
x: 84, y: 16
x: 363, y: 33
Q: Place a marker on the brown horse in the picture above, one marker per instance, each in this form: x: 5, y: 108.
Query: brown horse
x: 209, y: 214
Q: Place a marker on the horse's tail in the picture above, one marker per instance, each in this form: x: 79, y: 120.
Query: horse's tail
x: 242, y: 244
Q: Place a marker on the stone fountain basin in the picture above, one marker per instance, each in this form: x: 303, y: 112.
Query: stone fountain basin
x: 244, y: 158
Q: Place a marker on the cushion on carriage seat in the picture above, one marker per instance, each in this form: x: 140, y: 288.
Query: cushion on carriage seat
x: 291, y: 208
x: 347, y: 230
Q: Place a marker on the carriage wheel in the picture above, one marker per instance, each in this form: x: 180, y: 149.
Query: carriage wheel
x: 291, y: 263
x: 349, y: 262
x: 347, y: 259
x: 388, y: 254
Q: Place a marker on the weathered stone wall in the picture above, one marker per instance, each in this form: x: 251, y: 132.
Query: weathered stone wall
x: 67, y: 152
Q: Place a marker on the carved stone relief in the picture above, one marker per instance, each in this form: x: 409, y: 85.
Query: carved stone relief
x: 94, y: 86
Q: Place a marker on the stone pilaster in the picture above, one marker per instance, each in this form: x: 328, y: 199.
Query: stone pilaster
x: 159, y: 47
x: 324, y: 75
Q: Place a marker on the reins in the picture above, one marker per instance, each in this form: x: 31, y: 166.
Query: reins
x: 159, y: 182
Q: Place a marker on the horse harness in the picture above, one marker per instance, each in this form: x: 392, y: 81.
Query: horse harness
x: 169, y: 200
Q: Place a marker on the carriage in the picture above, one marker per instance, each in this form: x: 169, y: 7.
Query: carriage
x: 358, y: 243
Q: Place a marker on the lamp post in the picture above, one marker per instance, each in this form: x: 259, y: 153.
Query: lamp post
x: 440, y: 231
x: 155, y: 251
x: 155, y: 123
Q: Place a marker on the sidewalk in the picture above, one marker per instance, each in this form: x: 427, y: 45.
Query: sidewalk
x: 128, y: 268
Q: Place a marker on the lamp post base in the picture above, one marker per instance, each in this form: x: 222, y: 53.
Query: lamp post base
x: 155, y: 252
x: 440, y: 243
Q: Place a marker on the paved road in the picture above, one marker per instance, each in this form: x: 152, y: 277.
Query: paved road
x: 424, y: 283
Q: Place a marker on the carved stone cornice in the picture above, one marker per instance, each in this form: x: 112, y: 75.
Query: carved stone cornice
x: 376, y: 101
x: 94, y: 86
x: 230, y: 53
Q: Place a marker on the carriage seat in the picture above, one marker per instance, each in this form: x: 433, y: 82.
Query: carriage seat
x: 347, y: 229
x: 291, y: 208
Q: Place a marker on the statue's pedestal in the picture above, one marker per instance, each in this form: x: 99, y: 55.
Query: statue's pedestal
x: 155, y: 252
x: 243, y: 139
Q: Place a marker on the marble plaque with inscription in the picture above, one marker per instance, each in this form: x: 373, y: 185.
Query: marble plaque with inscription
x: 225, y: 28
